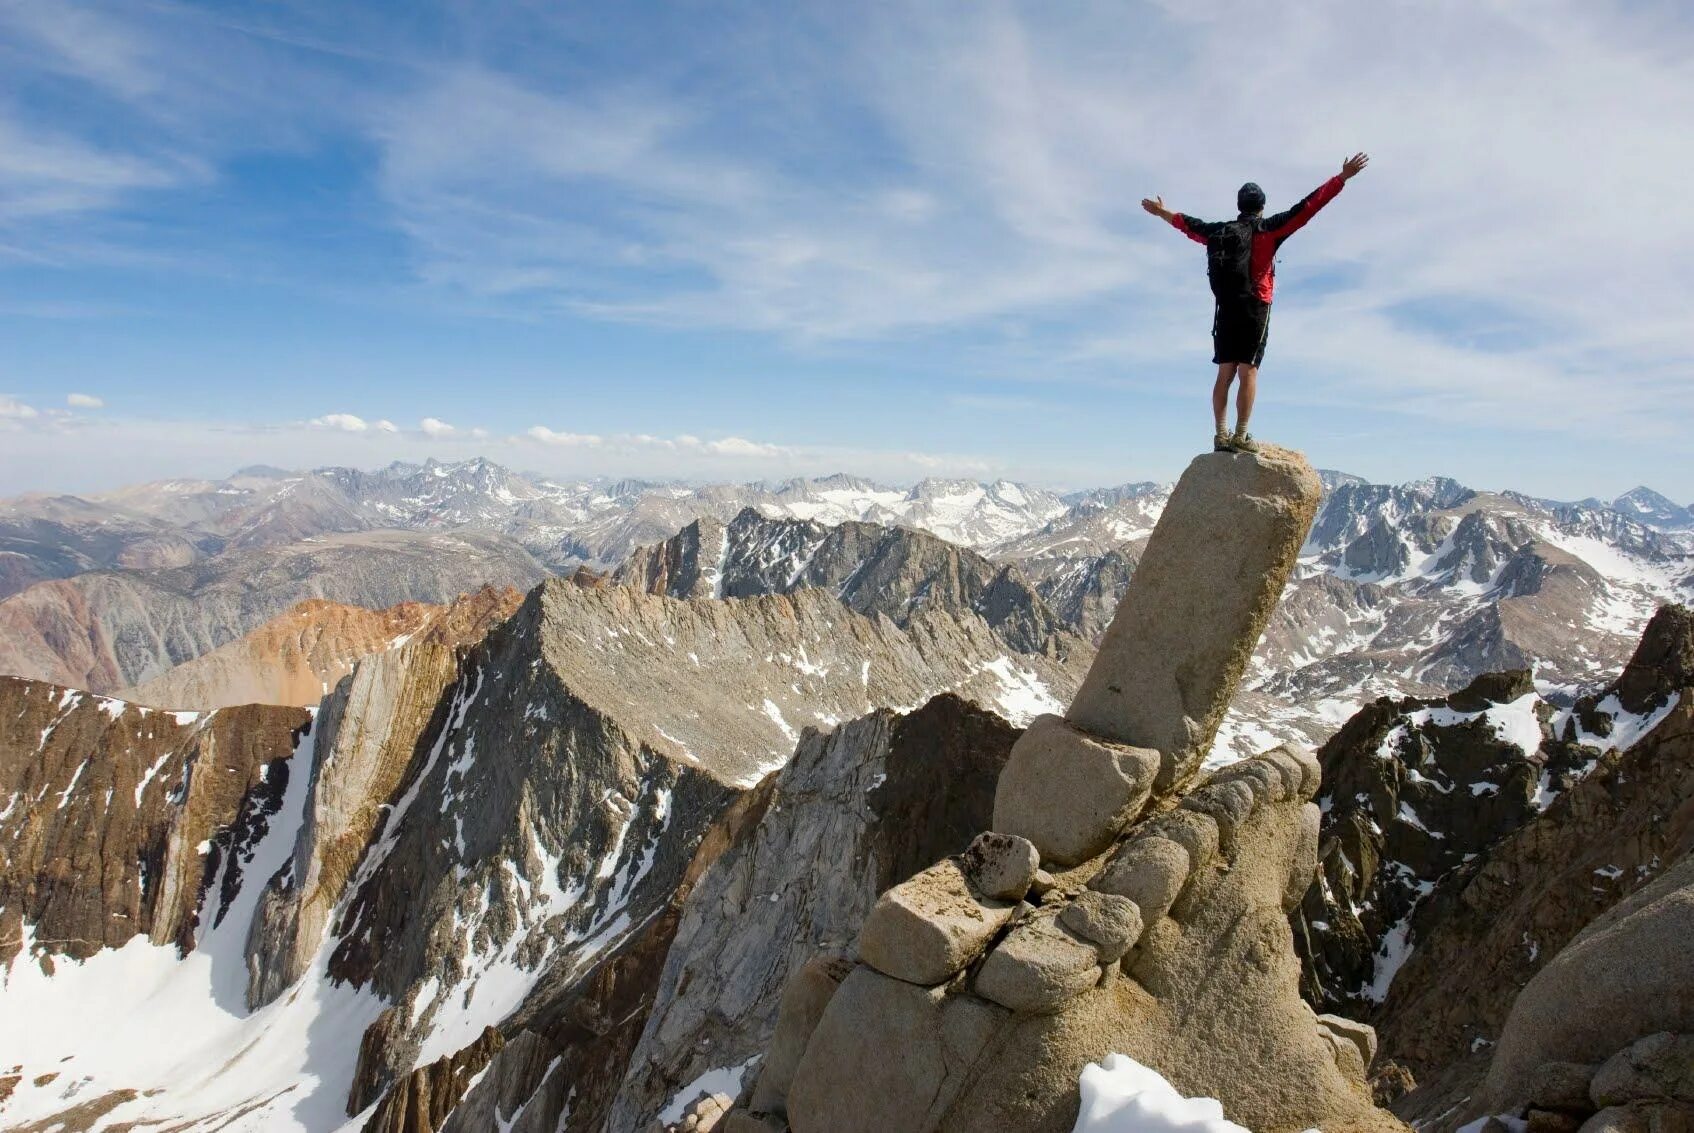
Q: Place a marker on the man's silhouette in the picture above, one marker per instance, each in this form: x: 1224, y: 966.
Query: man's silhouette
x: 1241, y: 266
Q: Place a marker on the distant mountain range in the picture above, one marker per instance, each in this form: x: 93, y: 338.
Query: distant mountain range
x: 1407, y: 590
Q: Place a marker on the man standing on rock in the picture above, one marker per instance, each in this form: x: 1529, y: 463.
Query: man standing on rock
x: 1241, y: 266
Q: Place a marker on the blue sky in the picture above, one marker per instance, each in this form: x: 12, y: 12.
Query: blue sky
x: 757, y: 240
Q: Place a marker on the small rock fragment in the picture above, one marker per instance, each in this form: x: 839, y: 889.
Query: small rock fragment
x: 1001, y: 866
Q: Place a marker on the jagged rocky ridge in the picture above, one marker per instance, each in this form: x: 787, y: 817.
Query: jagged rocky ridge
x: 891, y: 571
x: 499, y: 835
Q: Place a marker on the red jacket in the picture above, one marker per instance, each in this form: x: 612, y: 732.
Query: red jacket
x: 1272, y: 231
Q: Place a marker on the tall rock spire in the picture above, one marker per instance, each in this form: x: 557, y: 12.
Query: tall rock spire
x: 1158, y: 926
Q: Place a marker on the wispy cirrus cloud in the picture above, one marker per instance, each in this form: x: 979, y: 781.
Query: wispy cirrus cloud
x: 915, y: 188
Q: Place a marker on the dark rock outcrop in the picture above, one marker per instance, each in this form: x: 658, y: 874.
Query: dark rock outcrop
x: 116, y: 819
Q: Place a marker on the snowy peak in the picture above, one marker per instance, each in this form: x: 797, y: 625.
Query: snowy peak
x: 1654, y: 510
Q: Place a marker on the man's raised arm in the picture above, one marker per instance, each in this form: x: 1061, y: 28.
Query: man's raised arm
x: 1192, y: 227
x: 1285, y: 224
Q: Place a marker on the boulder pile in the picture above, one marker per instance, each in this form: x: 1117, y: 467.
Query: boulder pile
x: 1124, y: 900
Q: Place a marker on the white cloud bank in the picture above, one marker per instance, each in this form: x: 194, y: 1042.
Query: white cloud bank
x: 84, y: 401
x: 81, y: 454
x: 11, y: 409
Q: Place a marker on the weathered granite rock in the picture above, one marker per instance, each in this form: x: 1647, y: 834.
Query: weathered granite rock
x: 1150, y: 871
x: 1208, y: 999
x: 1361, y: 1035
x: 1071, y: 793
x: 1642, y: 1117
x: 1627, y: 973
x: 1561, y: 1085
x: 1039, y: 966
x: 803, y: 1001
x: 1197, y: 604
x: 1195, y: 832
x: 926, y: 929
x: 904, y: 1072
x: 1658, y: 1067
x: 1001, y: 866
x: 1109, y: 922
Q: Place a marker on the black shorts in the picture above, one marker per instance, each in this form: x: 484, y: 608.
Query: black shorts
x: 1239, y: 330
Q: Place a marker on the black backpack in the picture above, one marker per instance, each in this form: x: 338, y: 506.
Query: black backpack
x: 1229, y: 260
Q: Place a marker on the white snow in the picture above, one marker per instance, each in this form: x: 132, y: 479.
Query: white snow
x: 1023, y: 695
x: 1120, y: 1095
x: 775, y: 713
x: 1627, y: 727
x: 1517, y: 723
x: 722, y: 1080
x: 1396, y: 946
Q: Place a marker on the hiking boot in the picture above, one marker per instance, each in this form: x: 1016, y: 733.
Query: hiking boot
x: 1243, y: 442
x: 1220, y: 443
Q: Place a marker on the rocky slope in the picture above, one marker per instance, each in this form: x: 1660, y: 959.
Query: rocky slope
x: 298, y: 657
x: 1417, y: 792
x: 892, y: 571
x: 1437, y: 907
x: 47, y: 537
x: 107, y: 630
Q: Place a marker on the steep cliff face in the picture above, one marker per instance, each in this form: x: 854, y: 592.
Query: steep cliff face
x: 299, y: 657
x: 855, y: 811
x: 893, y: 571
x: 115, y: 819
x: 372, y: 733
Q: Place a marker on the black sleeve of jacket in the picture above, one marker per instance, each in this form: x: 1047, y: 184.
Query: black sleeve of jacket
x: 1200, y: 229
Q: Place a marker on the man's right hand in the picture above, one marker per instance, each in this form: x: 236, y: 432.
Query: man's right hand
x: 1156, y: 206
x: 1351, y: 167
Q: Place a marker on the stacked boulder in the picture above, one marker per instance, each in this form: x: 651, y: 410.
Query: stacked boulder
x: 1122, y: 902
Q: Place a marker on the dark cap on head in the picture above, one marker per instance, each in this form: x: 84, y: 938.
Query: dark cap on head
x: 1250, y: 198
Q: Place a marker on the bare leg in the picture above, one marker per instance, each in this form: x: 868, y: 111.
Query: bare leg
x: 1243, y: 398
x: 1220, y: 392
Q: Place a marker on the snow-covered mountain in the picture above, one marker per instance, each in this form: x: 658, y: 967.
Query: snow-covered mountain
x: 1647, y: 506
